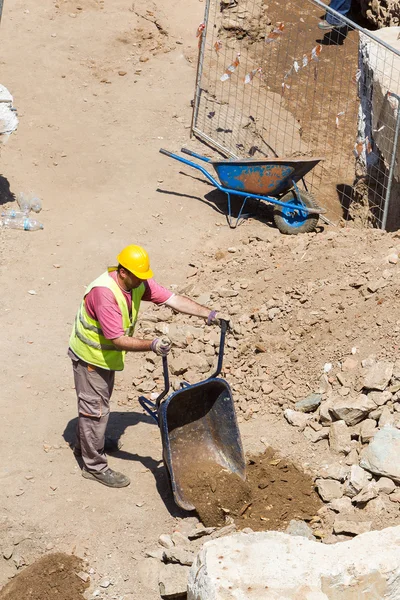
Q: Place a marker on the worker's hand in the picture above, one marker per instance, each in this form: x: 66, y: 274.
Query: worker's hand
x: 161, y: 346
x: 215, y: 318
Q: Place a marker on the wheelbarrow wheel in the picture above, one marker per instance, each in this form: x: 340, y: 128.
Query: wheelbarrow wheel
x: 291, y: 221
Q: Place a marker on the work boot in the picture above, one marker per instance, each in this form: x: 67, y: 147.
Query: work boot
x: 110, y: 445
x: 325, y: 26
x: 108, y: 477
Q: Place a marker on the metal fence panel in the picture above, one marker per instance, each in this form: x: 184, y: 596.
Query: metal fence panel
x: 271, y: 83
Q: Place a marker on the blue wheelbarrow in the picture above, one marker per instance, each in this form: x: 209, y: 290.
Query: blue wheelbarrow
x: 273, y: 181
x: 198, y: 426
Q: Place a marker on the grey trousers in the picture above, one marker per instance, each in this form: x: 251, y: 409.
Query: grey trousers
x: 93, y: 387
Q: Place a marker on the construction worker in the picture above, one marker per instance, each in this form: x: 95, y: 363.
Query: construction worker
x: 101, y: 336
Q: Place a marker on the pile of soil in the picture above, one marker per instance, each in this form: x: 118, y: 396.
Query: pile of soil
x: 52, y: 576
x: 275, y: 491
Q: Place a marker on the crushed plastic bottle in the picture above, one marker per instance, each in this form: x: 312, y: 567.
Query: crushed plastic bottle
x: 24, y: 223
x: 28, y: 202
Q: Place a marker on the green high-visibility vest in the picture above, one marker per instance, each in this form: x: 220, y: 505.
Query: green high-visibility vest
x: 87, y: 340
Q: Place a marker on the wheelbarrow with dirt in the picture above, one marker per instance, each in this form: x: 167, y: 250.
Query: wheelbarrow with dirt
x: 198, y: 426
x: 273, y: 181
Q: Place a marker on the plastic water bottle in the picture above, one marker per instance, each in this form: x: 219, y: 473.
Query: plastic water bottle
x: 23, y: 202
x: 36, y: 204
x: 28, y: 202
x: 13, y: 214
x: 21, y: 223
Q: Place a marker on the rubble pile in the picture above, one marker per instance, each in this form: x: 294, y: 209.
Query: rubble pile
x: 315, y: 342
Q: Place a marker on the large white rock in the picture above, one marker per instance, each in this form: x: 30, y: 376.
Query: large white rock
x: 277, y: 566
x: 382, y: 456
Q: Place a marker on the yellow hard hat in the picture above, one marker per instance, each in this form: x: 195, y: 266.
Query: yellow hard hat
x: 136, y: 260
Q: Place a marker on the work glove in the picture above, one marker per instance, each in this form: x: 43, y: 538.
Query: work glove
x: 215, y: 318
x: 161, y: 346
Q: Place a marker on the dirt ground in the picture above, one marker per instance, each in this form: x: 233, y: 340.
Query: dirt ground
x: 99, y: 88
x: 275, y: 491
x: 52, y: 576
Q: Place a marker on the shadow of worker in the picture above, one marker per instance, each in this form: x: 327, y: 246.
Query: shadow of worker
x: 116, y: 427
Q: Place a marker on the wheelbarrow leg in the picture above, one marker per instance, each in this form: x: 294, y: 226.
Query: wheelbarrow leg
x: 232, y: 222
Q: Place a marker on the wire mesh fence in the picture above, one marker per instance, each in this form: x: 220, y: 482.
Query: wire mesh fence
x: 272, y: 84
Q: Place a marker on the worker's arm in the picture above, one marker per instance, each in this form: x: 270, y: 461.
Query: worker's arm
x: 187, y: 306
x: 130, y: 344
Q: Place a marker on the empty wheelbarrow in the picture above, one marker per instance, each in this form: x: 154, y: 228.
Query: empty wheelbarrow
x: 198, y: 426
x: 273, y: 181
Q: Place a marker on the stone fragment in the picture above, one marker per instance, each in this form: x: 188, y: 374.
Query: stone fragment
x: 178, y: 555
x: 223, y: 531
x: 385, y: 485
x: 382, y: 455
x: 325, y: 415
x: 341, y: 505
x: 351, y: 527
x: 180, y: 540
x: 367, y: 430
x: 8, y: 552
x: 273, y: 565
x: 386, y: 417
x: 357, y: 480
x: 352, y: 410
x: 105, y: 583
x: 352, y: 457
x: 300, y: 528
x: 369, y: 492
x: 309, y: 404
x: 333, y: 471
x: 339, y: 437
x: 178, y: 365
x: 395, y: 496
x: 200, y: 531
x: 296, y: 418
x: 316, y: 436
x: 165, y: 540
x: 350, y: 364
x: 172, y: 581
x: 380, y: 398
x: 378, y: 376
x: 329, y: 489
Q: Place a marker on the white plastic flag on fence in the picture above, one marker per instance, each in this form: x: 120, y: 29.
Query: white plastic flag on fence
x: 356, y: 77
x: 340, y: 114
x: 249, y: 77
x: 218, y: 46
x: 360, y: 145
x: 275, y: 33
x: 199, y: 32
x: 231, y: 69
x: 307, y: 58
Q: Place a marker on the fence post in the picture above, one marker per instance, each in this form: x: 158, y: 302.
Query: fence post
x: 392, y: 162
x: 199, y: 69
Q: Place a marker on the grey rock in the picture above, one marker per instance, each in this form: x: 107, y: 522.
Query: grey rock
x: 199, y: 532
x: 356, y: 481
x: 382, y: 455
x: 352, y: 457
x: 178, y: 555
x: 329, y: 489
x: 369, y: 492
x: 105, y: 583
x: 180, y: 540
x: 227, y: 530
x: 352, y: 410
x: 309, y: 404
x: 316, y: 436
x: 386, y: 418
x: 339, y: 437
x: 334, y: 471
x: 165, y: 540
x: 395, y: 496
x: 300, y: 528
x: 351, y: 527
x: 296, y: 418
x: 341, y: 505
x: 380, y: 398
x: 367, y: 430
x: 385, y: 485
x: 172, y: 581
x: 378, y: 376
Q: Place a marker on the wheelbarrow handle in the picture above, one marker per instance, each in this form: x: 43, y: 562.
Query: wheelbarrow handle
x: 224, y: 328
x: 199, y: 156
